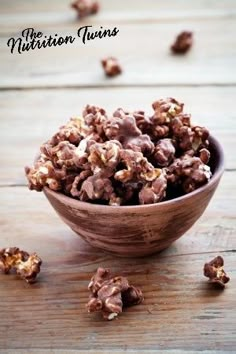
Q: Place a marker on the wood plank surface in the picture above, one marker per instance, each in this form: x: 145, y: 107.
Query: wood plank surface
x: 25, y: 13
x: 54, y: 315
x: 28, y: 118
x: 143, y: 51
x: 51, y: 313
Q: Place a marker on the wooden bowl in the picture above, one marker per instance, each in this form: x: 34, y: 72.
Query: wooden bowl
x: 139, y: 230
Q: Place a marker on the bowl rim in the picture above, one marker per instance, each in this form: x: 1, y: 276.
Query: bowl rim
x: 75, y: 203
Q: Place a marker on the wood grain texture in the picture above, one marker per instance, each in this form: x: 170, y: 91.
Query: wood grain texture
x: 149, y: 351
x: 28, y: 118
x: 180, y: 310
x: 50, y: 315
x: 15, y: 14
x: 143, y: 51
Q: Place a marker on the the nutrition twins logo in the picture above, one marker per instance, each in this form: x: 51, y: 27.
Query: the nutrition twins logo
x: 31, y: 39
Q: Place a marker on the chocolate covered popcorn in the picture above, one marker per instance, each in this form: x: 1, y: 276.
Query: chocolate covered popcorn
x: 110, y: 294
x: 25, y: 265
x: 183, y: 43
x: 125, y: 158
x: 215, y: 272
x: 85, y: 7
x: 111, y: 66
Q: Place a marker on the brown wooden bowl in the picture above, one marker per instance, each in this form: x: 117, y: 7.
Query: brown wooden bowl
x: 138, y: 230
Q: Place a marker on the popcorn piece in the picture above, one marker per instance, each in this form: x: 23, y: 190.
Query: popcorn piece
x: 137, y: 167
x: 148, y: 126
x: 62, y: 154
x: 164, y: 113
x: 153, y: 192
x: 111, y: 66
x: 164, y: 152
x: 27, y: 266
x: 120, y: 113
x: 125, y: 192
x: 189, y: 137
x: 67, y: 182
x: 180, y: 121
x: 118, y: 281
x: 200, y: 137
x: 95, y: 187
x: 160, y: 131
x: 68, y: 156
x: 104, y: 156
x: 98, y: 279
x: 109, y: 300
x: 85, y: 7
x: 95, y: 118
x: 115, y: 200
x: 11, y: 256
x: 127, y: 133
x: 46, y: 152
x: 143, y: 122
x: 108, y: 297
x: 94, y: 110
x: 75, y: 189
x: 215, y: 272
x: 165, y: 110
x: 182, y: 131
x: 94, y: 304
x: 190, y: 172
x: 183, y: 43
x: 29, y: 269
x: 132, y: 296
x: 44, y: 174
x: 204, y: 155
x: 108, y: 294
x: 74, y: 131
x: 81, y: 154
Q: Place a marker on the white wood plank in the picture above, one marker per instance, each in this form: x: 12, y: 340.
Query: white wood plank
x: 143, y: 51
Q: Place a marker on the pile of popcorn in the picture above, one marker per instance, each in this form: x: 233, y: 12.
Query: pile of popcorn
x: 125, y: 158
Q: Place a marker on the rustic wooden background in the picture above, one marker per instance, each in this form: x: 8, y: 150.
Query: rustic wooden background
x: 38, y: 91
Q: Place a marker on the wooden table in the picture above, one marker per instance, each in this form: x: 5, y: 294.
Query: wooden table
x: 40, y: 90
